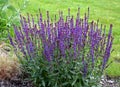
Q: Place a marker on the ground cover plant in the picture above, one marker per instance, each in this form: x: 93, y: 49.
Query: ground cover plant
x: 9, y: 15
x: 63, y: 52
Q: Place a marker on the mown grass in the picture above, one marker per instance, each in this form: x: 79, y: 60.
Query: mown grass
x: 107, y: 11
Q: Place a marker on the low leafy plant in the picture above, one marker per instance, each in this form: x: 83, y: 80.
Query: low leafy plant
x: 63, y: 53
x: 9, y: 15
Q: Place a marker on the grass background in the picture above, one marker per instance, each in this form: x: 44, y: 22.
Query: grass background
x: 107, y: 11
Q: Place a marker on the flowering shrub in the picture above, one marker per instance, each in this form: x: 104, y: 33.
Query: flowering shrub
x: 66, y: 52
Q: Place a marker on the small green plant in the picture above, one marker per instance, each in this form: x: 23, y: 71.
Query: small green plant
x: 9, y: 15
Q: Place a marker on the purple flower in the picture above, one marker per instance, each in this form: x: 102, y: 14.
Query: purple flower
x: 11, y: 40
x: 108, y: 47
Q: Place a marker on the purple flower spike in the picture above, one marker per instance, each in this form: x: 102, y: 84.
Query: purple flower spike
x: 11, y: 40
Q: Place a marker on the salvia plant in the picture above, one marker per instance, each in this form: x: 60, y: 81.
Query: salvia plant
x: 71, y: 52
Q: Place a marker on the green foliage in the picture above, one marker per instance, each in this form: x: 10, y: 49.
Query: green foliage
x: 9, y: 15
x: 60, y: 73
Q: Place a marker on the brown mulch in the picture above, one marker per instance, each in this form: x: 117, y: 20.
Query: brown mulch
x: 15, y: 83
x: 105, y: 82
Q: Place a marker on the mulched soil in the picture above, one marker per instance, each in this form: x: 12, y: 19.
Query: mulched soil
x: 15, y: 83
x: 105, y: 82
x: 18, y: 81
x: 110, y: 82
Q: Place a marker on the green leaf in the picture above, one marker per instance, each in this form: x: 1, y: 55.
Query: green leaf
x: 10, y: 7
x: 72, y: 72
x: 5, y: 7
x: 74, y: 82
x: 65, y: 83
x: 43, y: 83
x: 3, y: 1
x: 56, y: 85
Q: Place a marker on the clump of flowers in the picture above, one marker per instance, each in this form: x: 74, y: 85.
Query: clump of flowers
x: 73, y: 44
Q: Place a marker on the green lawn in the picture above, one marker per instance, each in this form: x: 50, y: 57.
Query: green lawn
x: 107, y: 11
